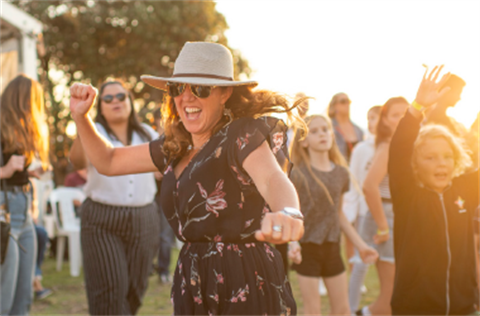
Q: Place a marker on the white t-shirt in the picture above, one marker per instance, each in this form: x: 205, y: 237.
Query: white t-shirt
x: 128, y: 190
x: 353, y: 201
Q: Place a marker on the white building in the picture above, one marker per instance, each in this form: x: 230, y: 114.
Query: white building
x: 19, y: 35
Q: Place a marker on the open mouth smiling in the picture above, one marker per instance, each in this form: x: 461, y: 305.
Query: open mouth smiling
x: 192, y: 113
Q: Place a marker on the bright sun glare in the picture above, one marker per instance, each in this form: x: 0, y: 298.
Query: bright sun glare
x: 372, y: 50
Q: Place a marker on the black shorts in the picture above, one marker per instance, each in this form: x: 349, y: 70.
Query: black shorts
x: 320, y: 260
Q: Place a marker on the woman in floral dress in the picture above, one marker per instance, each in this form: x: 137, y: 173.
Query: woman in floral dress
x: 224, y: 192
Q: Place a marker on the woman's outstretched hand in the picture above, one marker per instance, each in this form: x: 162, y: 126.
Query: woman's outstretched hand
x: 295, y: 252
x: 368, y: 254
x: 429, y: 90
x: 278, y: 228
x: 82, y: 98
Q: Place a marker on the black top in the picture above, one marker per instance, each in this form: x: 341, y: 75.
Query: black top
x: 214, y: 195
x: 18, y: 177
x: 433, y: 236
x: 215, y: 208
x: 322, y: 223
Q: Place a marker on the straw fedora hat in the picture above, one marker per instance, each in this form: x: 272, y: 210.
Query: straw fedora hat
x: 200, y: 63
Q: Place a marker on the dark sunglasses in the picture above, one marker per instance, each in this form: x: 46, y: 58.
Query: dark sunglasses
x: 109, y: 97
x: 175, y: 89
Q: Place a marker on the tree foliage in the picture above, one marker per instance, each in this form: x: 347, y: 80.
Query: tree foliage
x: 91, y: 40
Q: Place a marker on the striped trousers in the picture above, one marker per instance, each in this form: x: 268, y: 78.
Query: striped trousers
x: 118, y: 245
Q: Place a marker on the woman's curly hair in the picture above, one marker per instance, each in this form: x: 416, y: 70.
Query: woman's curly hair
x: 244, y: 102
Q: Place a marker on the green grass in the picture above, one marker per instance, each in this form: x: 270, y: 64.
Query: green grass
x: 69, y: 296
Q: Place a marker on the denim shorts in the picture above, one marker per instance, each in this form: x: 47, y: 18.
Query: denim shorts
x: 367, y: 228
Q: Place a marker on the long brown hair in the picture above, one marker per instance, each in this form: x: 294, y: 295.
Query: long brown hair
x: 301, y: 157
x: 244, y: 102
x: 134, y: 124
x: 24, y: 130
x: 384, y: 131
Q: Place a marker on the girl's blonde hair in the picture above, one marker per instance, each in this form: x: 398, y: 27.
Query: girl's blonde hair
x: 462, y: 160
x: 300, y: 156
x: 24, y: 130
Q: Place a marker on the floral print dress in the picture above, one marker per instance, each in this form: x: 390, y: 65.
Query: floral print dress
x: 215, y: 209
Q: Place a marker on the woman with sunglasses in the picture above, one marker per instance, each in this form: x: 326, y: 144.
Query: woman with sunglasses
x: 119, y: 221
x: 223, y: 192
x: 347, y: 134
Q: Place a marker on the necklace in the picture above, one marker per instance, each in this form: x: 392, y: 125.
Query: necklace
x: 191, y: 147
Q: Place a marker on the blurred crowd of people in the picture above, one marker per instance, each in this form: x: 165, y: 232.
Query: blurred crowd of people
x: 404, y: 194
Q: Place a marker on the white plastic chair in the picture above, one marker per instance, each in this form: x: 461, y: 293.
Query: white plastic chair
x: 68, y: 226
x: 44, y: 187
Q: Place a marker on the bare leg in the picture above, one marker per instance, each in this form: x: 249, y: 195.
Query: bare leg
x: 310, y: 294
x: 350, y: 252
x: 338, y: 294
x: 37, y: 284
x: 386, y: 274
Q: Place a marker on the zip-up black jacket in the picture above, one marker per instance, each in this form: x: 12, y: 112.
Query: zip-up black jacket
x: 433, y: 236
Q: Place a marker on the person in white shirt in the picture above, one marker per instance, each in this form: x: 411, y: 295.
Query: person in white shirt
x: 119, y: 219
x: 354, y: 205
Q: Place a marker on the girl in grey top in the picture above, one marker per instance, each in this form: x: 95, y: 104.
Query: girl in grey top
x: 321, y: 178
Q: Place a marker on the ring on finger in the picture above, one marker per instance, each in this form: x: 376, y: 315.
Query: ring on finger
x: 277, y: 228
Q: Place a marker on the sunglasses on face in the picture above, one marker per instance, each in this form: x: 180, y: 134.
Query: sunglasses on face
x: 109, y: 97
x: 175, y: 89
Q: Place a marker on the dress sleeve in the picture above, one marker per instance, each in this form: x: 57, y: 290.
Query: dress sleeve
x: 400, y: 172
x: 248, y: 134
x: 156, y: 153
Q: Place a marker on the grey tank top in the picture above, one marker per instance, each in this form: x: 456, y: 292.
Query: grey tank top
x: 385, y: 188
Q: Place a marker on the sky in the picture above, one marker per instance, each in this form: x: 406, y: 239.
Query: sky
x: 371, y: 50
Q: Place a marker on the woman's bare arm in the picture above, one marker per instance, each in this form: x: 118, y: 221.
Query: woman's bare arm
x: 77, y: 155
x: 272, y: 183
x: 278, y: 192
x: 107, y: 159
x: 368, y: 254
x: 375, y: 175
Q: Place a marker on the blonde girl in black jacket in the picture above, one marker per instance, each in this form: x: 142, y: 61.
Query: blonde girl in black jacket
x: 434, y: 203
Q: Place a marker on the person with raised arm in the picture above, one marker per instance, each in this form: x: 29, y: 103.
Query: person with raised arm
x: 434, y: 203
x: 119, y: 216
x: 224, y: 189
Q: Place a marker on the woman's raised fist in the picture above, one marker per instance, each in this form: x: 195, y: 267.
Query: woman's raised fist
x: 82, y: 98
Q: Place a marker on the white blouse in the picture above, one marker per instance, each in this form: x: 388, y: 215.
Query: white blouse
x: 353, y: 201
x: 128, y: 190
